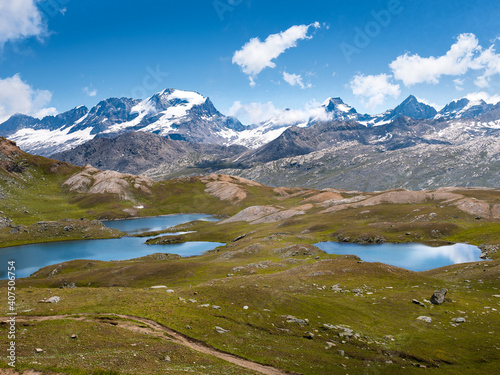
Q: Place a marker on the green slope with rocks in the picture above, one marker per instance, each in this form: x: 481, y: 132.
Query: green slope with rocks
x: 268, y: 297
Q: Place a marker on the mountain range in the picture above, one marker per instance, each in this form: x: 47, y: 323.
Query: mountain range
x: 189, y: 116
x: 180, y: 133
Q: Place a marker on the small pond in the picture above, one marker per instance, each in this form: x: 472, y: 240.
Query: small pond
x: 411, y: 256
x: 32, y: 257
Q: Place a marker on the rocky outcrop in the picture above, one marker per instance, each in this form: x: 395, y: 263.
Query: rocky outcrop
x: 472, y: 206
x: 5, y: 222
x: 227, y: 188
x: 251, y: 214
x: 94, y: 181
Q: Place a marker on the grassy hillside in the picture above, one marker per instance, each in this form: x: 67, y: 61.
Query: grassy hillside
x: 269, y: 296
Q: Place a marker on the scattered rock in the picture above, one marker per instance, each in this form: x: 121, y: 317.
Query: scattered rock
x: 336, y: 288
x: 245, y: 307
x: 38, y: 350
x: 205, y: 305
x: 488, y: 250
x: 5, y: 222
x: 458, y: 320
x: 439, y: 296
x: 347, y: 332
x: 216, y: 307
x: 309, y: 335
x: 389, y: 337
x: 53, y: 299
x: 221, y: 330
x: 292, y: 319
x: 74, y: 336
x: 239, y: 237
x: 426, y: 319
x: 417, y: 302
x: 170, y: 291
x: 330, y: 345
x: 158, y: 287
x: 167, y: 358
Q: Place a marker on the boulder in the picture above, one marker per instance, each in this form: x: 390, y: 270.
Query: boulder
x: 439, y: 296
x: 426, y: 319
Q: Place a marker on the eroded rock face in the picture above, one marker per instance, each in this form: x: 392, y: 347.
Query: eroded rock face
x: 226, y: 191
x: 94, y: 181
x: 227, y: 188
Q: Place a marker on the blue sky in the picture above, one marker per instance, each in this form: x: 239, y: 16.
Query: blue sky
x: 58, y: 54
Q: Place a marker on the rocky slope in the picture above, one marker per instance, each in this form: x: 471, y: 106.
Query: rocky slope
x: 139, y: 151
x: 406, y: 153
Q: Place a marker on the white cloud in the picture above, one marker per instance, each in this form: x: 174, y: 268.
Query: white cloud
x: 20, y: 19
x: 374, y: 87
x: 90, y: 91
x: 256, y: 55
x: 458, y: 84
x: 490, y: 62
x: 490, y: 99
x: 295, y: 80
x: 412, y: 69
x: 465, y: 55
x: 17, y: 96
x: 255, y: 113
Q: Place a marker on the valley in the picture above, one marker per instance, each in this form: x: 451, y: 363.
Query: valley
x: 268, y: 296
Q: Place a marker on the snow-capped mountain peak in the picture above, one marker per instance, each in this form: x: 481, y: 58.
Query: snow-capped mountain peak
x: 464, y: 108
x: 336, y: 105
x: 172, y: 113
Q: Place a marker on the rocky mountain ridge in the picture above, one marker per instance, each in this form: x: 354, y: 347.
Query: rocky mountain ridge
x: 189, y: 116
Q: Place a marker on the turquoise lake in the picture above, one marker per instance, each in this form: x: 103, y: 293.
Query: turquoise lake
x: 411, y: 256
x: 30, y: 258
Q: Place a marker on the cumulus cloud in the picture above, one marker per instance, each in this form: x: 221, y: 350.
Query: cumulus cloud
x: 490, y: 99
x: 464, y: 55
x: 20, y: 19
x: 412, y: 69
x: 295, y: 80
x: 488, y: 60
x: 375, y: 88
x: 17, y: 96
x: 255, y: 113
x: 90, y: 91
x: 256, y: 55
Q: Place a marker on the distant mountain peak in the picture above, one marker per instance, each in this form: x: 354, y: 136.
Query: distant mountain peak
x: 464, y: 108
x: 413, y: 108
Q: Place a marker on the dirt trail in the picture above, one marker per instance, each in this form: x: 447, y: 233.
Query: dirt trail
x: 158, y: 330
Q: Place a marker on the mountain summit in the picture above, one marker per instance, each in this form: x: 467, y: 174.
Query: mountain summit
x: 189, y: 116
x: 171, y: 113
